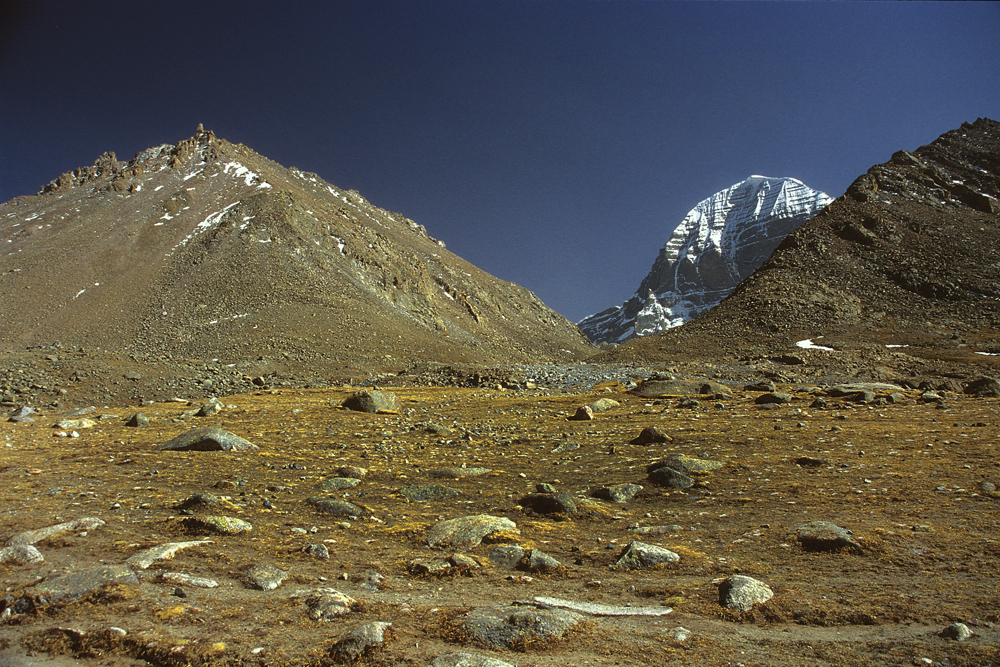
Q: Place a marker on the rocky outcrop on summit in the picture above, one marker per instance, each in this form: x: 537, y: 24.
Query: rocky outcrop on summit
x: 721, y: 241
x: 206, y: 249
x: 902, y: 270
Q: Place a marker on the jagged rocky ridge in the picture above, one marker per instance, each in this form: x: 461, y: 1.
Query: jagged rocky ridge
x: 207, y: 249
x: 720, y: 242
x: 899, y: 272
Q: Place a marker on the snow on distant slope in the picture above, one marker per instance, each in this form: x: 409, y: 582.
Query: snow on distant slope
x: 720, y: 242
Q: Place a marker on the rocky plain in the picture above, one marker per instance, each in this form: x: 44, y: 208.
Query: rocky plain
x: 635, y: 521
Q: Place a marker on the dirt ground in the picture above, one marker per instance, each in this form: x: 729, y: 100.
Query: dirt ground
x: 912, y: 480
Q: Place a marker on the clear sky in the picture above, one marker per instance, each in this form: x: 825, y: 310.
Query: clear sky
x: 552, y: 144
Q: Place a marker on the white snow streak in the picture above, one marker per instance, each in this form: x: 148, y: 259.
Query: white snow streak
x: 808, y: 344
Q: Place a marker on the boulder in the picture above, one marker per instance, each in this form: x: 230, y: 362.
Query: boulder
x: 742, y: 593
x: 372, y: 401
x: 208, y: 439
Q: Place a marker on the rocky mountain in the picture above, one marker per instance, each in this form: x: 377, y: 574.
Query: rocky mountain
x: 720, y: 242
x: 205, y: 249
x: 894, y: 278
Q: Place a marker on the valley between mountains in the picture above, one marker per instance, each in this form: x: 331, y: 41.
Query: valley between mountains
x: 252, y: 419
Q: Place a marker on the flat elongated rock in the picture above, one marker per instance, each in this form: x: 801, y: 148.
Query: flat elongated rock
x: 183, y: 579
x: 602, y: 404
x: 678, y: 387
x: 39, y: 534
x: 455, y: 473
x: 335, y: 507
x: 742, y: 593
x: 825, y: 536
x: 514, y: 627
x: 467, y: 660
x: 21, y: 554
x: 637, y: 555
x: 429, y: 492
x: 773, y: 397
x: 360, y: 640
x: 144, y: 559
x: 372, y: 401
x: 468, y: 531
x: 225, y: 525
x: 208, y: 439
x: 595, y: 609
x: 338, y: 483
x: 70, y: 587
x: 71, y: 424
x: 685, y: 464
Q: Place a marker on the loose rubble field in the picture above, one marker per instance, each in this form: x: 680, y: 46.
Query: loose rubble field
x: 912, y: 480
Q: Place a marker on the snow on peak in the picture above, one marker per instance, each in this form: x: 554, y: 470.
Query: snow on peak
x: 721, y: 241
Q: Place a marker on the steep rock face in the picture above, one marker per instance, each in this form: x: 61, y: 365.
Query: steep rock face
x: 721, y: 241
x: 906, y: 258
x: 207, y: 249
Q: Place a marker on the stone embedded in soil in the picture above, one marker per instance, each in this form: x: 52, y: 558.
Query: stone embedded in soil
x: 20, y: 554
x: 507, y: 555
x: 583, y: 413
x: 264, y: 577
x: 595, y: 609
x: 549, y: 503
x: 430, y: 566
x: 338, y: 483
x: 335, y: 507
x: 184, y: 579
x: 657, y: 530
x: 773, y: 398
x: 23, y: 416
x: 669, y: 477
x: 983, y: 388
x: 467, y: 660
x: 617, y: 493
x: 455, y: 473
x: 742, y: 593
x: 352, y: 471
x: 225, y: 525
x: 469, y: 531
x: 685, y: 464
x: 654, y: 388
x: 326, y: 604
x: 539, y: 561
x: 39, y: 534
x: 372, y: 401
x: 198, y: 500
x: 71, y: 424
x: 137, y: 420
x: 69, y: 587
x: 825, y: 536
x: 651, y: 435
x: 211, y: 407
x: 603, y: 404
x: 317, y: 550
x: 956, y: 631
x: 517, y: 627
x: 361, y: 640
x: 144, y: 559
x: 637, y: 555
x: 208, y: 439
x: 429, y: 492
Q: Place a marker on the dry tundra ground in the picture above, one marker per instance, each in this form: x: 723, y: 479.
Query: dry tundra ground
x: 911, y: 480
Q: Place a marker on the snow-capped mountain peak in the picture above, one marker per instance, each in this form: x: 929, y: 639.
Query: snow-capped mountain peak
x: 720, y: 242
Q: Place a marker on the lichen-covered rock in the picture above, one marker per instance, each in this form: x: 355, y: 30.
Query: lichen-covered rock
x: 361, y: 640
x: 335, y: 506
x: 549, y: 503
x: 515, y: 627
x: 208, y: 439
x: 468, y: 531
x: 825, y: 536
x: 617, y: 493
x: 225, y: 525
x: 651, y: 435
x: 685, y: 464
x: 666, y: 476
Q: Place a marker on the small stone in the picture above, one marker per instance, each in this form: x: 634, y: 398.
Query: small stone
x: 825, y: 536
x: 956, y: 631
x: 23, y: 416
x: 264, y: 577
x: 338, y: 483
x: 651, y: 435
x: 317, y: 551
x: 225, y: 525
x: 603, y: 404
x: 669, y: 477
x: 467, y: 660
x: 539, y: 561
x: 212, y: 406
x: 326, y: 604
x: 685, y: 464
x: 71, y: 424
x: 545, y: 487
x: 549, y: 503
x: 361, y: 640
x: 188, y: 580
x: 679, y: 634
x: 335, y: 506
x: 513, y: 627
x: 351, y: 472
x: 583, y: 413
x: 617, y: 493
x: 430, y: 566
x: 742, y: 593
x: 137, y: 420
x: 507, y: 555
x: 20, y: 554
x: 773, y: 398
x: 637, y: 555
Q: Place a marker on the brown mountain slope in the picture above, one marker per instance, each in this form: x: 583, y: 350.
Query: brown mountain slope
x: 208, y: 250
x: 907, y: 257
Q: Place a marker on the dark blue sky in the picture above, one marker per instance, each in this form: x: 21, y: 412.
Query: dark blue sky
x: 553, y: 144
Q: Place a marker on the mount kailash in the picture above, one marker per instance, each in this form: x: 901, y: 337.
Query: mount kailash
x: 719, y: 243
